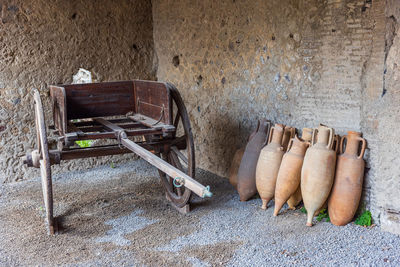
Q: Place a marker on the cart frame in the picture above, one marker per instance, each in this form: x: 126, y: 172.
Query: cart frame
x: 142, y: 117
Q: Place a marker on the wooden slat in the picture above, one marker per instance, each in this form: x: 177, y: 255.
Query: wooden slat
x: 73, y: 128
x: 105, y: 135
x: 108, y: 125
x: 149, y: 122
x: 100, y: 127
x: 99, y: 99
x: 151, y: 99
x: 98, y: 151
x: 85, y: 123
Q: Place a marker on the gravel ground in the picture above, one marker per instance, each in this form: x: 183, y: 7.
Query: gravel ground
x: 119, y: 216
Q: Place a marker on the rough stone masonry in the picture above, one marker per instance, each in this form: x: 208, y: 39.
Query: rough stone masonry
x: 46, y: 42
x: 295, y: 62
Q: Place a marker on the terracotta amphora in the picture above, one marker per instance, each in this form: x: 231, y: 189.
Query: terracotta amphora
x: 318, y: 171
x: 288, y: 134
x: 296, y: 198
x: 306, y: 134
x: 268, y: 165
x: 346, y: 190
x: 246, y: 177
x: 233, y: 170
x: 289, y: 174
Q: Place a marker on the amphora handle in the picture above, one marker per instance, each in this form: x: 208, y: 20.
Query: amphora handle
x: 271, y: 132
x: 363, y: 146
x: 255, y: 131
x: 331, y: 135
x: 341, y: 148
x: 267, y: 132
x: 337, y: 144
x: 289, y: 145
x: 313, y: 137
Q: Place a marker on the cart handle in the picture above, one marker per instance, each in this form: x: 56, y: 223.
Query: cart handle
x: 179, y: 182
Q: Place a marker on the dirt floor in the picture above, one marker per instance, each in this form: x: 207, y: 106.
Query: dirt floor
x: 119, y: 216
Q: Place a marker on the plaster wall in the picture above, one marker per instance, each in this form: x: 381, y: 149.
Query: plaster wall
x: 46, y: 42
x: 294, y: 62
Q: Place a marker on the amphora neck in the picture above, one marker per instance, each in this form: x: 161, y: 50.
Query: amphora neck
x: 299, y: 146
x: 277, y: 134
x: 353, y: 143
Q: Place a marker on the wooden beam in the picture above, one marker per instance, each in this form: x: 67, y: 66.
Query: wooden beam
x: 167, y: 168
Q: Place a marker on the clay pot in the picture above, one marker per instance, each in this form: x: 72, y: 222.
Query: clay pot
x: 347, y: 188
x: 318, y: 171
x: 296, y: 198
x: 288, y: 181
x: 268, y: 165
x: 246, y: 177
x: 288, y: 134
x: 306, y: 134
x: 233, y: 170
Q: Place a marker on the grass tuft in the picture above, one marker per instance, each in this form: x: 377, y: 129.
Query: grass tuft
x: 365, y: 219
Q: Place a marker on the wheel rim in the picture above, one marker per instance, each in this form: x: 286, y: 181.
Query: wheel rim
x: 181, y: 159
x: 45, y: 164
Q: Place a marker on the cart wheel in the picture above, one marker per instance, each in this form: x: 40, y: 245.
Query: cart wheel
x: 45, y: 166
x: 181, y: 159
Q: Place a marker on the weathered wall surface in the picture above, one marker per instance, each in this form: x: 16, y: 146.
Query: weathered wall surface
x: 387, y: 186
x: 45, y: 42
x: 295, y: 62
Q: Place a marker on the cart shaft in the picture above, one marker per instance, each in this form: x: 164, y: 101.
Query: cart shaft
x: 167, y: 168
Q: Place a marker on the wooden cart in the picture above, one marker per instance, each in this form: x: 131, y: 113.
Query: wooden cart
x: 122, y: 113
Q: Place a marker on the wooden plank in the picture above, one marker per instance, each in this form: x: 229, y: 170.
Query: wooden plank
x: 153, y: 98
x: 167, y: 168
x: 85, y: 123
x: 149, y: 122
x: 99, y: 99
x: 108, y: 125
x: 184, y: 210
x: 120, y: 120
x: 107, y: 135
x: 100, y: 127
x: 73, y: 128
x: 98, y: 151
x: 59, y: 103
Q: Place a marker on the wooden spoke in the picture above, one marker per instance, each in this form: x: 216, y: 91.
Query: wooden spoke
x: 179, y: 154
x: 176, y: 121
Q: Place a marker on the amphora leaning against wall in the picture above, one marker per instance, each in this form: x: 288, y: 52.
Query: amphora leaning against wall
x: 246, y: 176
x: 289, y: 174
x: 268, y: 165
x: 233, y: 170
x: 318, y: 171
x: 347, y: 188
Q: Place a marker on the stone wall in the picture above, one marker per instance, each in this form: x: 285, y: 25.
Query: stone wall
x: 295, y: 62
x: 46, y: 42
x: 387, y: 186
